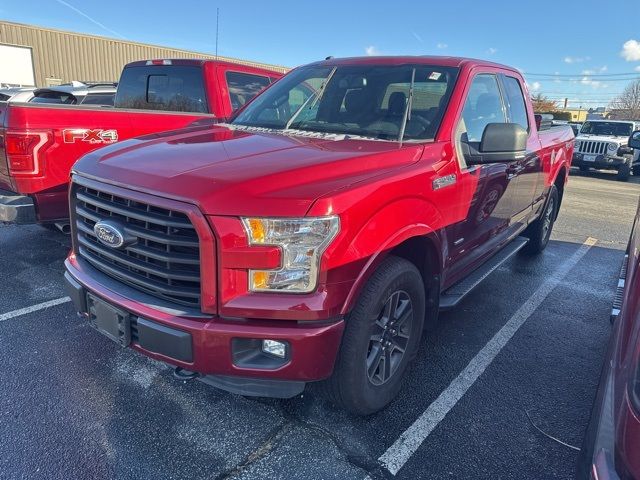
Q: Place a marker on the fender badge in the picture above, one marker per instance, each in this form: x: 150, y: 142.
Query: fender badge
x: 445, y: 181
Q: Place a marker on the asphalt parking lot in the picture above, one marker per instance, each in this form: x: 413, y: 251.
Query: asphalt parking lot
x: 524, y: 350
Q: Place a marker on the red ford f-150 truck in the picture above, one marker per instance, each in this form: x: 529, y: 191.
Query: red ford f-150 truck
x: 611, y: 447
x: 39, y: 143
x: 316, y: 234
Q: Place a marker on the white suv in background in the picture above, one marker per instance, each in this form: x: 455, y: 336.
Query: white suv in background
x: 74, y: 93
x: 602, y: 144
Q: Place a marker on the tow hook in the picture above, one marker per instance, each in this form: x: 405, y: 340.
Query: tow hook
x: 182, y: 374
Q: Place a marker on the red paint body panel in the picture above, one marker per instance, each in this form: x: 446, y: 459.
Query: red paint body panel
x: 314, y: 347
x: 49, y: 188
x: 383, y: 194
x: 612, y: 443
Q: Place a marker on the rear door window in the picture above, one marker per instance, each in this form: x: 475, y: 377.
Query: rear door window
x: 244, y: 86
x: 174, y: 88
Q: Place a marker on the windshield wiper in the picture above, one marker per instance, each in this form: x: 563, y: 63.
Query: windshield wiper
x: 316, y: 98
x: 407, y: 108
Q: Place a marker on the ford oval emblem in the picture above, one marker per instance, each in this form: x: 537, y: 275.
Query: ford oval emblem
x: 109, y: 233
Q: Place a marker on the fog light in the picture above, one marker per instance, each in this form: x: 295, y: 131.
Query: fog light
x: 275, y: 348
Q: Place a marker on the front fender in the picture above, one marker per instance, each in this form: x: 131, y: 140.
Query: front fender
x: 386, y: 229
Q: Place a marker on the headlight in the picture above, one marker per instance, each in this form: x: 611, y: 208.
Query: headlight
x: 302, y: 240
x: 612, y: 146
x: 577, y: 145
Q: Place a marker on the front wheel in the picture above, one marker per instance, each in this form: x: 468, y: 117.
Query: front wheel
x: 381, y: 338
x: 540, y: 230
x: 624, y: 172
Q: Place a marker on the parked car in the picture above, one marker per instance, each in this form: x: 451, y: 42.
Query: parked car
x: 602, y: 144
x: 77, y: 93
x: 317, y: 233
x: 16, y: 94
x: 611, y: 448
x: 74, y: 93
x: 42, y: 141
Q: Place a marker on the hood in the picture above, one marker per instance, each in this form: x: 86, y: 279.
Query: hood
x: 229, y: 172
x: 604, y: 138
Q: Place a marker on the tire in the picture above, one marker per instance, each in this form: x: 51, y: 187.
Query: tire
x: 636, y: 170
x: 584, y: 168
x: 360, y: 382
x: 624, y: 172
x: 540, y: 230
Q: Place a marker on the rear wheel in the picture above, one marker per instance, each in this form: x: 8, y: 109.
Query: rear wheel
x: 381, y: 338
x: 540, y: 230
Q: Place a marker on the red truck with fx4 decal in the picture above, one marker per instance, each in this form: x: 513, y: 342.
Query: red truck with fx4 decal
x: 40, y: 142
x: 315, y: 235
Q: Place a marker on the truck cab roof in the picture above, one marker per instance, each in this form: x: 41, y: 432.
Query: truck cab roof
x: 437, y: 60
x: 198, y: 62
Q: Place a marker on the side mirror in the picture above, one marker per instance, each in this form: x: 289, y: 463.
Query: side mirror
x: 502, y: 142
x: 634, y: 140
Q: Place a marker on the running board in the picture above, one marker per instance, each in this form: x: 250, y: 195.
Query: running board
x: 617, y: 299
x: 454, y: 294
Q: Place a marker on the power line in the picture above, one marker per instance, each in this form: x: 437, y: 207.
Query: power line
x: 579, y: 74
x: 587, y: 78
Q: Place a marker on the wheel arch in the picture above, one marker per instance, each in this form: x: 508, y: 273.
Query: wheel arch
x: 422, y: 247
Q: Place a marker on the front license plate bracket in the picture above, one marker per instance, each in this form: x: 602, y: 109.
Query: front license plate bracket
x: 110, y: 321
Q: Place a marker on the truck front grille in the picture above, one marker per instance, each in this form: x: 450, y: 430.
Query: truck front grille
x: 590, y: 146
x: 163, y: 259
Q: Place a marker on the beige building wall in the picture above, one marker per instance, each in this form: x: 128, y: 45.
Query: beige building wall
x: 60, y: 56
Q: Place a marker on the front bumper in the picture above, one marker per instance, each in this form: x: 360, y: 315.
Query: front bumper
x: 16, y: 208
x: 224, y: 352
x: 601, y: 161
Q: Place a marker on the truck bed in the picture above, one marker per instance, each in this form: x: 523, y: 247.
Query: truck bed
x: 73, y: 131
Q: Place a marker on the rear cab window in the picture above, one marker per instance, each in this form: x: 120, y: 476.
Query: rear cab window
x: 174, y: 88
x: 244, y: 86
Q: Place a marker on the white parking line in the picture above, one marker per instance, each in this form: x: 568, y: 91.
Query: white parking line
x: 406, y: 445
x: 33, y: 308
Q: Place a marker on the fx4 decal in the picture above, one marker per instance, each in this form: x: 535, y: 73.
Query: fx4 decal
x: 97, y: 135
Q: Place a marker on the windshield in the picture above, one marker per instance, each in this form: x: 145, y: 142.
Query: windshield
x: 364, y: 100
x: 607, y: 128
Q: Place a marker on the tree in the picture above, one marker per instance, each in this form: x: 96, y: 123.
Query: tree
x: 542, y: 104
x: 627, y: 105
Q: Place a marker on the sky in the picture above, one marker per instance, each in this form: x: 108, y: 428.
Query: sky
x: 567, y: 49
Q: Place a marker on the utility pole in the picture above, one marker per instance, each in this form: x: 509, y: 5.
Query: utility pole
x: 566, y: 102
x: 217, y: 25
